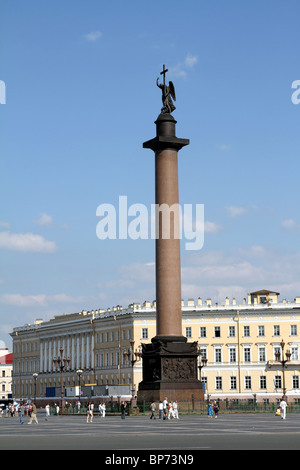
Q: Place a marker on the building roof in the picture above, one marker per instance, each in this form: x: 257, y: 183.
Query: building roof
x: 264, y: 292
x: 6, y: 359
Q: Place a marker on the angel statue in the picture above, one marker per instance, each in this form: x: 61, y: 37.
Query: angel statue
x: 168, y: 92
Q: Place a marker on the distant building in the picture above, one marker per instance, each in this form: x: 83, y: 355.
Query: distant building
x: 239, y: 348
x: 6, y: 365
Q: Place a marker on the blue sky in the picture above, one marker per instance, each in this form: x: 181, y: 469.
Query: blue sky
x: 81, y: 99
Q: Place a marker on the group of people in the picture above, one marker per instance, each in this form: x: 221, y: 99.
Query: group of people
x: 90, y: 411
x: 166, y: 410
x: 30, y: 410
x: 213, y: 408
x: 21, y: 409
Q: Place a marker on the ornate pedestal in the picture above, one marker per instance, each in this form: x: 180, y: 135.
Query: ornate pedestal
x: 170, y: 370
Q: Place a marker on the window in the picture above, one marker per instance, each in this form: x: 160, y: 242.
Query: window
x: 217, y: 331
x: 202, y: 331
x: 247, y: 355
x: 278, y: 351
x: 218, y: 383
x: 248, y: 382
x: 144, y: 333
x: 262, y: 354
x: 232, y: 383
x: 263, y: 382
x: 276, y: 330
x: 232, y: 331
x: 294, y: 353
x: 246, y: 331
x: 277, y: 381
x: 232, y: 355
x: 218, y: 355
x: 293, y: 330
x: 295, y: 381
x: 203, y: 352
x: 188, y: 331
x: 261, y: 330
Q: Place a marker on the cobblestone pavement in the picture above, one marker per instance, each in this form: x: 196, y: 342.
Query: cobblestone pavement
x: 189, y: 433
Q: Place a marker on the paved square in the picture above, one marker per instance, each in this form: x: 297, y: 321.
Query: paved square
x: 189, y: 433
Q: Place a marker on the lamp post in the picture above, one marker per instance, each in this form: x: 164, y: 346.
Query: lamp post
x: 132, y: 356
x: 35, y: 376
x: 61, y: 362
x: 202, y: 362
x: 79, y: 372
x: 283, y: 362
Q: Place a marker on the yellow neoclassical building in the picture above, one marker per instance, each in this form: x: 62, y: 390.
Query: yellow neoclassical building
x: 248, y: 350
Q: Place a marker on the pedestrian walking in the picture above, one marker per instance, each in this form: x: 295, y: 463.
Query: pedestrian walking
x: 170, y: 410
x: 160, y: 409
x: 175, y: 409
x: 216, y: 409
x: 21, y: 412
x: 153, y: 409
x: 165, y: 408
x: 283, y: 406
x: 210, y: 409
x: 47, y: 410
x: 123, y: 409
x: 33, y: 414
x: 89, y: 416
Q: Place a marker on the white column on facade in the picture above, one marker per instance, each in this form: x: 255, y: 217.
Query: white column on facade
x: 68, y: 346
x: 41, y: 355
x: 92, y: 352
x: 50, y: 355
x: 45, y: 355
x: 82, y: 351
x: 73, y: 352
x: 77, y: 354
x: 87, y: 354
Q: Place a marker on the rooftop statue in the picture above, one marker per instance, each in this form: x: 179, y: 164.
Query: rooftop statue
x: 168, y: 92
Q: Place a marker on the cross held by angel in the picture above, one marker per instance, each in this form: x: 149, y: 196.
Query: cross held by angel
x: 168, y: 92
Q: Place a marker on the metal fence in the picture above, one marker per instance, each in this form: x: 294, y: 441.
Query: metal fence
x: 184, y: 408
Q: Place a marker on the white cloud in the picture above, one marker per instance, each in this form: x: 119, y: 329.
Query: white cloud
x: 290, y: 224
x: 41, y: 300
x: 216, y: 274
x: 212, y: 227
x: 4, y: 224
x: 234, y: 211
x: 44, y: 220
x: 26, y: 242
x: 255, y: 251
x: 191, y: 60
x: 180, y: 70
x: 93, y: 36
